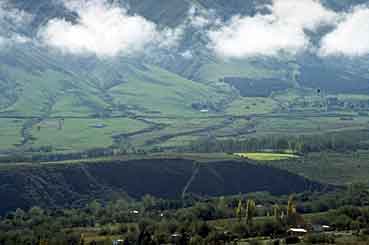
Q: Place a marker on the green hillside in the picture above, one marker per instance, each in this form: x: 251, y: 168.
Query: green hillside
x: 41, y: 90
x: 162, y: 99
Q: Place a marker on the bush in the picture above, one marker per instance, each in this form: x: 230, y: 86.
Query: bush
x: 292, y: 240
x: 240, y: 230
x: 365, y: 232
x: 105, y: 231
x: 123, y: 228
x: 319, y: 239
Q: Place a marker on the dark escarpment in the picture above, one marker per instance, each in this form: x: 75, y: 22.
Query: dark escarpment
x: 76, y: 184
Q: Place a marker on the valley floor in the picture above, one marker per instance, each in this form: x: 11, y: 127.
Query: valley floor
x: 287, y: 113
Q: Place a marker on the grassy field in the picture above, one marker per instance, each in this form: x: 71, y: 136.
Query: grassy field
x: 75, y: 106
x: 158, y: 92
x: 265, y: 156
x: 236, y: 68
x: 10, y: 133
x: 79, y: 134
x: 332, y: 168
x: 251, y: 106
x: 294, y: 124
x: 178, y: 132
x: 165, y: 99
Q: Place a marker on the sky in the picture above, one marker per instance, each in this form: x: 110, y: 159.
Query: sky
x: 285, y: 30
x: 15, y: 19
x: 106, y: 29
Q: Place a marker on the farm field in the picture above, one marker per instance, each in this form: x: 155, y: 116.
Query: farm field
x: 82, y: 134
x: 251, y: 106
x: 265, y: 156
x: 163, y: 111
x: 10, y: 133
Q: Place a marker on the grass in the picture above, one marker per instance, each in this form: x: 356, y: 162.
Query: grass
x: 178, y: 132
x: 331, y: 168
x: 250, y: 106
x: 159, y: 92
x: 73, y: 105
x: 235, y: 68
x: 10, y: 133
x: 266, y: 156
x: 293, y: 124
x: 151, y: 92
x: 80, y: 134
x: 39, y: 90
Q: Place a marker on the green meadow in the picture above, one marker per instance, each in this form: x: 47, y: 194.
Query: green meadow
x: 82, y: 134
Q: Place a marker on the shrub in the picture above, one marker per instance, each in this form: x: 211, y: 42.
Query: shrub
x: 292, y: 240
x: 319, y: 239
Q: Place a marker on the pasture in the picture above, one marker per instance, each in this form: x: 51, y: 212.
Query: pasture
x: 267, y: 156
x: 330, y: 167
x: 81, y: 134
x: 10, y: 133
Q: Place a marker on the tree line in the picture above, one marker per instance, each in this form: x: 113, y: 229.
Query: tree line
x: 220, y: 220
x: 339, y: 142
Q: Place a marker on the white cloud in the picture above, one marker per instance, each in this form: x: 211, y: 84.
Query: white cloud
x: 308, y: 14
x: 187, y: 54
x: 11, y: 20
x: 21, y: 39
x: 2, y: 41
x: 14, y: 16
x: 104, y: 29
x: 350, y: 37
x: 201, y: 18
x: 198, y: 18
x: 169, y: 37
x: 259, y: 35
x: 282, y: 30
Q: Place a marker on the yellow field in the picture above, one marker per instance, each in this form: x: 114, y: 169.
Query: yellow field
x: 266, y: 156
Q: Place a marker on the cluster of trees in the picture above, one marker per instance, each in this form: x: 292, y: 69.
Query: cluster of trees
x: 47, y: 154
x: 339, y: 142
x: 191, y: 221
x: 342, y: 142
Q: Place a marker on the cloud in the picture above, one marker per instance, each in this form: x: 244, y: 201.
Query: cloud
x: 14, y: 16
x: 187, y: 54
x: 200, y: 18
x: 11, y: 22
x: 308, y: 14
x: 281, y: 30
x: 104, y: 29
x: 2, y: 41
x: 350, y: 37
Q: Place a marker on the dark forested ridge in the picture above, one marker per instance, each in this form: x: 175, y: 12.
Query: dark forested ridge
x: 74, y: 185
